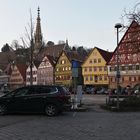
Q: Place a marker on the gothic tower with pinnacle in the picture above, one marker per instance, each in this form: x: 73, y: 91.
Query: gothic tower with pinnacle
x: 38, y: 35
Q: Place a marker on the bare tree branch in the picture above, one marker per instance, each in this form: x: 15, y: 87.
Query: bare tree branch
x: 133, y: 14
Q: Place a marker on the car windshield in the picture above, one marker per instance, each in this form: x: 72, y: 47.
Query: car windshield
x: 9, y: 94
x: 15, y: 92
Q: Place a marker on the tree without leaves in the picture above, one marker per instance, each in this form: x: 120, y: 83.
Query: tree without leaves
x: 133, y: 14
x: 15, y: 45
x: 129, y: 16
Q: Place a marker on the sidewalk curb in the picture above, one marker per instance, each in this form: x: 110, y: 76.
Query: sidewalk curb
x: 80, y: 109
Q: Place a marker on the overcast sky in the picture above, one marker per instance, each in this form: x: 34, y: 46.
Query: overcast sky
x: 85, y: 23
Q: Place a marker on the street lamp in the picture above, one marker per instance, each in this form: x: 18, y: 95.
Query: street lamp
x: 117, y: 26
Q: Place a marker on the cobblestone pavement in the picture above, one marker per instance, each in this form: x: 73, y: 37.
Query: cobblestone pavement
x: 90, y: 125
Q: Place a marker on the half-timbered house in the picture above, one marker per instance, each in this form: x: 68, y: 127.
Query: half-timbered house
x: 128, y: 52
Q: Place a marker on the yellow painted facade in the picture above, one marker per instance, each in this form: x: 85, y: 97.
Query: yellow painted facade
x: 94, y: 69
x: 63, y: 73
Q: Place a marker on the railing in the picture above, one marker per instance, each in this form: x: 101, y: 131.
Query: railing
x: 113, y: 98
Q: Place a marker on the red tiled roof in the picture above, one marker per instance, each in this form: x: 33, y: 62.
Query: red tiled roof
x: 22, y: 69
x: 132, y: 26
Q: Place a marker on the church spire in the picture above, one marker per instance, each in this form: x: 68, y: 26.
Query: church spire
x: 38, y: 34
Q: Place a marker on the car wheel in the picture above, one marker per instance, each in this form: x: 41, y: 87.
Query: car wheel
x: 2, y: 110
x: 51, y: 110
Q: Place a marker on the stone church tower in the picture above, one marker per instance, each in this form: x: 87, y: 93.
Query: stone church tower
x: 38, y: 35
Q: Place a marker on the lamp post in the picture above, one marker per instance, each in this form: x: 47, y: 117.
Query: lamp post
x: 117, y: 26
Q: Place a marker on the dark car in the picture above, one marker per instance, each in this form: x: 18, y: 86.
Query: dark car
x: 37, y: 98
x: 102, y: 90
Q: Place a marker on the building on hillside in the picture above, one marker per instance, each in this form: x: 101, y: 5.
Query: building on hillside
x: 94, y: 68
x: 63, y: 68
x: 18, y: 76
x: 54, y: 50
x: 45, y: 73
x: 6, y: 58
x: 129, y: 58
x: 34, y: 74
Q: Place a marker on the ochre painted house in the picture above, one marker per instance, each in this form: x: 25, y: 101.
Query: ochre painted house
x: 94, y: 68
x: 63, y: 73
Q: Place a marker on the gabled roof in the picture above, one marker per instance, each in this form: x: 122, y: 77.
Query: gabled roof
x: 132, y: 26
x: 105, y: 54
x: 52, y: 60
x: 72, y: 55
x: 22, y: 69
x: 36, y: 63
x: 129, y: 40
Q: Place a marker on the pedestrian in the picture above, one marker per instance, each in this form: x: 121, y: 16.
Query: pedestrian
x: 128, y: 88
x: 109, y: 92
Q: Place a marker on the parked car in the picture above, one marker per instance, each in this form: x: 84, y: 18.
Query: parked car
x: 89, y: 91
x: 37, y: 98
x: 102, y: 90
